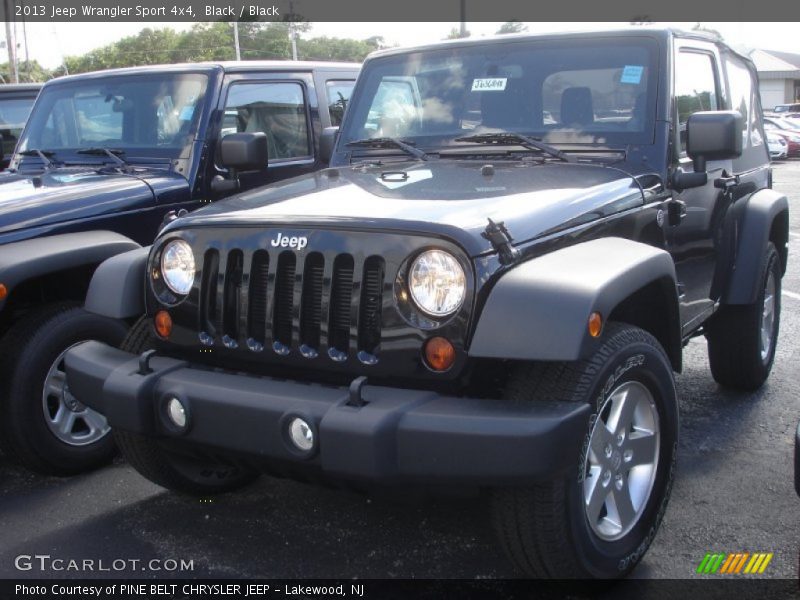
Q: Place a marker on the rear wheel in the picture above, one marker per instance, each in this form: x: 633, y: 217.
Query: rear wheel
x: 43, y: 425
x: 742, y: 339
x: 597, y: 520
x: 184, y: 473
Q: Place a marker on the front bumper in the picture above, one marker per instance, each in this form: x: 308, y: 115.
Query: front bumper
x: 397, y: 436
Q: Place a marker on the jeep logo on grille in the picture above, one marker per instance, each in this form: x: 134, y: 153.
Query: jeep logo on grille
x: 284, y: 241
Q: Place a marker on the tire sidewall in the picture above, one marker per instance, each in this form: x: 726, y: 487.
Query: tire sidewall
x: 644, y: 363
x: 29, y: 371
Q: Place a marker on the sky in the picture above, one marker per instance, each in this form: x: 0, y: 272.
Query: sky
x: 49, y: 42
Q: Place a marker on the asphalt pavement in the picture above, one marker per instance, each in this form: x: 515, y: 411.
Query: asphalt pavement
x: 733, y: 493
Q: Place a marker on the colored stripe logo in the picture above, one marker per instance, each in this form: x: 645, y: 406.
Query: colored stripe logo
x: 735, y: 563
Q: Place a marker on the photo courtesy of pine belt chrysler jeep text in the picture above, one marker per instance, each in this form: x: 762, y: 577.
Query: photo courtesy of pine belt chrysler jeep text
x: 489, y: 289
x: 102, y: 159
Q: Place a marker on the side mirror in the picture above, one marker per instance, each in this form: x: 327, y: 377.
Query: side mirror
x: 244, y: 151
x: 713, y: 135
x: 327, y: 141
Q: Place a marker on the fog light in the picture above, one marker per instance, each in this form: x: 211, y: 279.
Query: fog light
x: 301, y: 434
x: 439, y: 354
x: 163, y: 323
x: 176, y: 413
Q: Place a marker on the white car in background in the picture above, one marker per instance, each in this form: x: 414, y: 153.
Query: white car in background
x: 778, y: 148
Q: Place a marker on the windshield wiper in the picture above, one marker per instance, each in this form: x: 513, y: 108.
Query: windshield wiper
x: 390, y: 142
x: 43, y: 155
x: 110, y: 152
x: 517, y: 139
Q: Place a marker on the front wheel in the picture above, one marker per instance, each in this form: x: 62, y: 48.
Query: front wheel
x: 41, y: 423
x: 597, y: 520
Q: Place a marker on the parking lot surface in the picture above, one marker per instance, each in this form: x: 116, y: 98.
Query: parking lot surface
x: 733, y: 493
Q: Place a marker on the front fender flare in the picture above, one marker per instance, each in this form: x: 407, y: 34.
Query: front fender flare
x: 28, y: 259
x: 117, y: 287
x: 540, y: 309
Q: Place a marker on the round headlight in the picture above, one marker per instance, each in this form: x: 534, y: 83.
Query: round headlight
x: 437, y: 283
x: 177, y: 266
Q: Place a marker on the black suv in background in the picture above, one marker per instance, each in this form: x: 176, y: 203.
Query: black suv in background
x: 16, y: 100
x: 103, y: 157
x: 490, y: 288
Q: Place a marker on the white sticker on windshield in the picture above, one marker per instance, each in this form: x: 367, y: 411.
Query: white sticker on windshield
x: 632, y: 74
x: 496, y: 84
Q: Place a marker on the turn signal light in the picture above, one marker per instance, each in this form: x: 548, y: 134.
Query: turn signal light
x: 595, y: 324
x: 3, y: 292
x: 163, y: 323
x: 439, y: 354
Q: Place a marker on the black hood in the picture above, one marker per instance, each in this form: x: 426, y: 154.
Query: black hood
x: 75, y: 193
x: 449, y: 198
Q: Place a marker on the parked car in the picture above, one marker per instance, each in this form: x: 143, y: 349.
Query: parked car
x: 490, y: 289
x: 16, y: 100
x: 103, y: 158
x: 787, y: 131
x: 777, y: 145
x: 784, y: 109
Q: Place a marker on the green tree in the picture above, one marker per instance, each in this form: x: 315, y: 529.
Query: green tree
x: 29, y: 72
x: 332, y: 48
x: 512, y: 27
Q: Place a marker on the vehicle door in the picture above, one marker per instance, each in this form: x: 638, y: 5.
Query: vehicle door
x: 280, y: 105
x: 697, y: 213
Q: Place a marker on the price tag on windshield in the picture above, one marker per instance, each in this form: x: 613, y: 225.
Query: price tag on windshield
x: 496, y: 84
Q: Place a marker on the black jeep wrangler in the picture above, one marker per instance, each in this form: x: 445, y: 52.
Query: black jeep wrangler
x: 490, y: 288
x: 104, y: 156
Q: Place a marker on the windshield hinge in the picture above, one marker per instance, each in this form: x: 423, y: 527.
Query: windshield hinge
x: 500, y: 239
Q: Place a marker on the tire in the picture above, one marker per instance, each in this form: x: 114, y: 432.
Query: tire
x: 186, y: 474
x: 546, y: 529
x: 42, y: 425
x: 740, y: 358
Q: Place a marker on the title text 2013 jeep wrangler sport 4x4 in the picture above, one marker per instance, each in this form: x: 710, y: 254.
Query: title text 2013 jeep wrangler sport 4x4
x: 491, y: 288
x: 104, y: 156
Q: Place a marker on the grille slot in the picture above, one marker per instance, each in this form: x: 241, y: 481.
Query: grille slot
x: 284, y: 299
x: 311, y: 303
x: 341, y: 294
x: 208, y: 297
x: 369, y: 318
x: 257, y: 309
x: 232, y: 294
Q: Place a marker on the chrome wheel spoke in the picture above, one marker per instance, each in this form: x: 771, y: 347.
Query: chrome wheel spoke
x: 95, y: 422
x: 601, y: 443
x: 623, y: 506
x: 622, y: 409
x: 643, y: 449
x: 597, y: 494
x: 65, y: 420
x: 55, y: 384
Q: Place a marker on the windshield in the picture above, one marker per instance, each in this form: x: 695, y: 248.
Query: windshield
x: 13, y: 114
x: 147, y: 116
x: 597, y: 91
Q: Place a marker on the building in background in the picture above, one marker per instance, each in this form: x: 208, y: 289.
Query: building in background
x: 779, y: 77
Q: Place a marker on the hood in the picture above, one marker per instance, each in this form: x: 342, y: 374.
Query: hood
x: 448, y: 198
x: 72, y: 193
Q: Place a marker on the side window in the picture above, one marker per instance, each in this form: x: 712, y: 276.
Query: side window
x: 276, y: 108
x: 695, y: 87
x: 339, y: 93
x: 740, y: 81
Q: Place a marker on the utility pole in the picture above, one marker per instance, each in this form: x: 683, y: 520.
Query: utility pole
x: 292, y: 31
x: 11, y: 45
x: 236, y: 40
x: 463, y: 32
